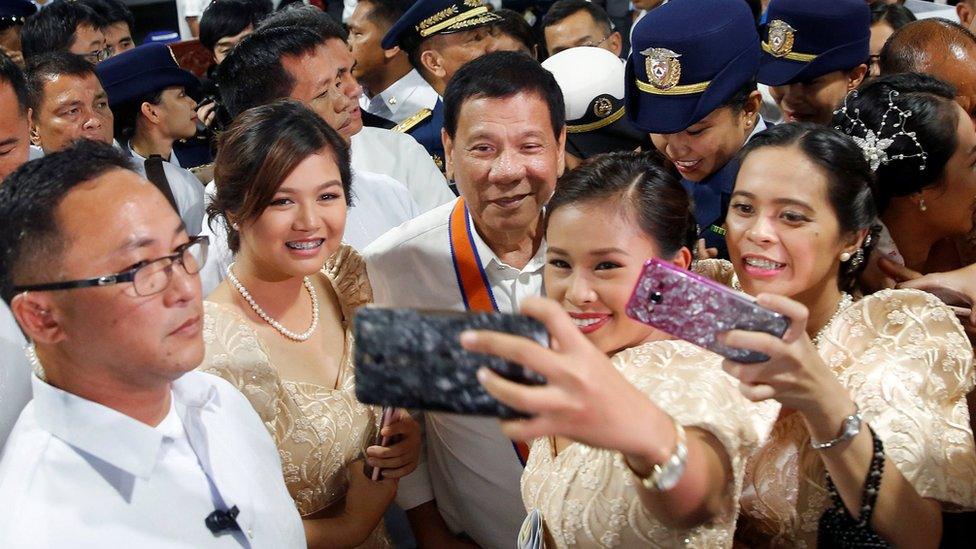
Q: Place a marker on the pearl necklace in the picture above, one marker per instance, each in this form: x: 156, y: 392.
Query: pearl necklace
x: 267, y: 318
x: 845, y: 301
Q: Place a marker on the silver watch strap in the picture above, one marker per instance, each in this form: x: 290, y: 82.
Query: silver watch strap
x: 849, y: 429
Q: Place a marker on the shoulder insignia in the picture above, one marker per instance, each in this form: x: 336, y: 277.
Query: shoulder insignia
x: 414, y: 119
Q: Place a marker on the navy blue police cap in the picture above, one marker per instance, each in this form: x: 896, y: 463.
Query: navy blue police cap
x: 16, y: 11
x: 141, y: 71
x: 688, y: 58
x: 806, y: 39
x: 426, y: 18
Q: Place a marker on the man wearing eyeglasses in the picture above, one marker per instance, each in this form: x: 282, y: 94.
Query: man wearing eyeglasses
x: 65, y: 25
x: 572, y: 23
x: 124, y: 445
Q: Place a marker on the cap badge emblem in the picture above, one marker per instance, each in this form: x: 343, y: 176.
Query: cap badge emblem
x: 662, y: 66
x: 602, y: 107
x: 780, y: 38
x: 472, y: 3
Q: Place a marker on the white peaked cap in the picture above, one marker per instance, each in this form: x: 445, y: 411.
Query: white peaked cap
x: 583, y: 73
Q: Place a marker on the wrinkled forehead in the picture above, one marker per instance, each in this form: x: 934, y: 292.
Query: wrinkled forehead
x: 523, y: 111
x: 61, y: 88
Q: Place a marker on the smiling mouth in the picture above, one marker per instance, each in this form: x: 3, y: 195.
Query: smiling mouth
x: 510, y: 201
x: 765, y: 264
x: 305, y: 244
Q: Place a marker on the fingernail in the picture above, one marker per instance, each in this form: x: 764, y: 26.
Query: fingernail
x: 482, y: 375
x: 468, y: 338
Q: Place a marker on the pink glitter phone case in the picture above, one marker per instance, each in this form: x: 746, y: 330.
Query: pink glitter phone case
x: 696, y: 309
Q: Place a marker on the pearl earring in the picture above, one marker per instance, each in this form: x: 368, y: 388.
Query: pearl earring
x: 921, y: 206
x: 845, y: 257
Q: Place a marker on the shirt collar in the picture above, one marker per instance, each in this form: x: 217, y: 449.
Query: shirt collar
x: 489, y: 257
x: 98, y: 430
x: 108, y: 434
x: 402, y: 89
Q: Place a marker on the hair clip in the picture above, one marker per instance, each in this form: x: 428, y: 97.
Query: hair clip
x: 874, y: 144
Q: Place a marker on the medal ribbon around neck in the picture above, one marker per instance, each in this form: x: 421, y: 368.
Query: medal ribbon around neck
x: 472, y: 279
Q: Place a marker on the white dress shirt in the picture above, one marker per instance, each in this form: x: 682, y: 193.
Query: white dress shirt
x: 400, y: 156
x: 471, y: 467
x: 75, y: 473
x: 15, y: 389
x: 379, y: 204
x: 403, y: 99
x: 186, y: 188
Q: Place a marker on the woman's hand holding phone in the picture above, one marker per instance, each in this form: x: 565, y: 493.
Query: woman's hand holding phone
x: 585, y: 398
x: 794, y: 375
x: 399, y: 458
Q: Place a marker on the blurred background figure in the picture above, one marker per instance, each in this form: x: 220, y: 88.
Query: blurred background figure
x: 13, y: 13
x: 570, y: 23
x: 513, y: 33
x: 118, y: 24
x: 886, y: 18
x: 65, y: 25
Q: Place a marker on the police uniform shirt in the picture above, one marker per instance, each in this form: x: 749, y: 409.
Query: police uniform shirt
x: 402, y: 99
x: 426, y: 129
x: 402, y: 158
x: 469, y: 466
x: 711, y: 197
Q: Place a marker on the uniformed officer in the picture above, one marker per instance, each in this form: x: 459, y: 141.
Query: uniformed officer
x: 439, y: 36
x: 594, y: 98
x: 814, y: 52
x: 691, y: 83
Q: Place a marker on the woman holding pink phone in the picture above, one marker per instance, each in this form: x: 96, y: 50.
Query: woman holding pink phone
x: 873, y: 438
x: 605, y: 220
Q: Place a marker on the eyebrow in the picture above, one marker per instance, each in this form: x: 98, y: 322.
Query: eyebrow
x: 321, y: 187
x: 137, y: 242
x: 778, y: 201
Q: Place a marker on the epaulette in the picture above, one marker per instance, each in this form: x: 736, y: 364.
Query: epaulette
x: 414, y: 119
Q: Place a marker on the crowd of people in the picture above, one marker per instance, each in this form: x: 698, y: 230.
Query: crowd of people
x: 182, y: 259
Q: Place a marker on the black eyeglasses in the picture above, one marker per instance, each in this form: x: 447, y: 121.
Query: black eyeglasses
x: 147, y: 278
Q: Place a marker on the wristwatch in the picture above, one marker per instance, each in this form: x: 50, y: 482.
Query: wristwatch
x: 848, y: 430
x: 666, y: 475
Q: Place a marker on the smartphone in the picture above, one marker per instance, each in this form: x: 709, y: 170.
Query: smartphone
x: 409, y: 358
x: 373, y: 473
x: 697, y: 309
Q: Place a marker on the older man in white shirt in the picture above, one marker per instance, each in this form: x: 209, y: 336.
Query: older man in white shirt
x: 504, y: 138
x: 123, y: 445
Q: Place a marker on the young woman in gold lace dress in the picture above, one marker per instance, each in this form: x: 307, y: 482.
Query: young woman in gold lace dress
x: 873, y: 391
x: 279, y: 326
x: 605, y: 220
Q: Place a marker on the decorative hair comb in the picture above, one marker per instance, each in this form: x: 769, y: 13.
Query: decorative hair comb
x: 874, y: 144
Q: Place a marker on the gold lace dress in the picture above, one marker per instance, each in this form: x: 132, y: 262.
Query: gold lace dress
x: 588, y: 497
x: 318, y: 430
x: 908, y: 365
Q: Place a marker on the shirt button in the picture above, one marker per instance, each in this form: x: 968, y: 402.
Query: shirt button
x: 393, y: 100
x: 250, y: 533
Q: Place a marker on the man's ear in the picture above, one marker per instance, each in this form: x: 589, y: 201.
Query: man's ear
x: 561, y: 160
x: 38, y: 316
x: 965, y: 13
x: 34, y: 134
x: 616, y: 43
x: 392, y: 52
x: 433, y: 63
x: 448, y: 154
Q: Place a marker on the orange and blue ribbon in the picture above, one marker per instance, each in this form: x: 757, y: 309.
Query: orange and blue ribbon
x: 472, y: 279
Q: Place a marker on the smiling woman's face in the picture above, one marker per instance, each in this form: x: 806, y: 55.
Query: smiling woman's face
x: 783, y: 234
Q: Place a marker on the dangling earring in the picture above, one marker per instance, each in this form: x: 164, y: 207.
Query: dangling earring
x: 845, y: 257
x: 235, y: 226
x: 921, y: 205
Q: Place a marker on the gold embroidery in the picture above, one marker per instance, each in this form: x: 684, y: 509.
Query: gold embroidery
x: 583, y: 128
x: 436, y: 18
x: 411, y: 121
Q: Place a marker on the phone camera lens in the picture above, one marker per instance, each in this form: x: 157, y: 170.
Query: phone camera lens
x: 656, y: 297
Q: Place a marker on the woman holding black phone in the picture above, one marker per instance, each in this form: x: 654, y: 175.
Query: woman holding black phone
x: 873, y: 439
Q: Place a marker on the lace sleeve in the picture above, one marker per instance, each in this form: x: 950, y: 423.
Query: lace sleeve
x: 233, y: 353
x: 909, y: 365
x: 347, y: 270
x: 694, y: 390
